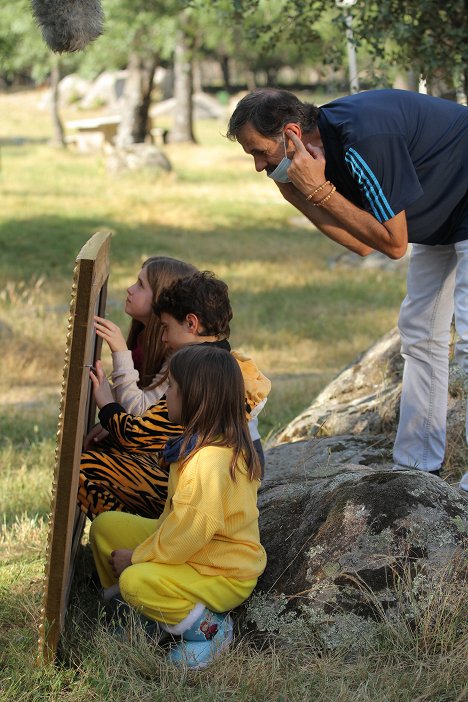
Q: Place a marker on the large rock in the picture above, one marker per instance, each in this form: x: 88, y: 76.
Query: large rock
x: 365, y: 398
x: 320, y: 452
x: 71, y: 89
x: 204, y: 107
x: 106, y: 91
x: 341, y: 528
x: 340, y: 537
x: 135, y: 157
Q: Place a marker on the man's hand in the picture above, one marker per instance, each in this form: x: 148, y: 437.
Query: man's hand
x: 111, y: 333
x: 119, y: 560
x: 307, y: 170
x: 101, y: 388
x: 94, y: 436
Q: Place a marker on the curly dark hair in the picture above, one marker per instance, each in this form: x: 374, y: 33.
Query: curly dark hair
x: 201, y: 294
x: 268, y: 110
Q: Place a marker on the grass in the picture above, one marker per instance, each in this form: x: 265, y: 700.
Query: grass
x: 301, y: 319
x: 416, y: 659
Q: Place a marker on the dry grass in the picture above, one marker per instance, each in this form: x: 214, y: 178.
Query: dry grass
x: 417, y: 653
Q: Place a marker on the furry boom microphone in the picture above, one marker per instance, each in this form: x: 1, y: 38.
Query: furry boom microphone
x: 68, y: 25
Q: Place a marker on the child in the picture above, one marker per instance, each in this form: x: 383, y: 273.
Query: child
x: 188, y: 310
x: 203, y: 556
x: 139, y: 364
x: 130, y: 477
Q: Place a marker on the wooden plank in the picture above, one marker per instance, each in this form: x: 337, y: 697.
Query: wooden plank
x: 77, y: 413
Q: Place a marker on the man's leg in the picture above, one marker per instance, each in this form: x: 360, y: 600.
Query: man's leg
x: 461, y: 323
x: 424, y: 323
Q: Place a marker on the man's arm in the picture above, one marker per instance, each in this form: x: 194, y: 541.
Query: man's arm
x: 338, y: 218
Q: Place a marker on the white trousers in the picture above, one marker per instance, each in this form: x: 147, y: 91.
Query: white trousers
x: 437, y: 288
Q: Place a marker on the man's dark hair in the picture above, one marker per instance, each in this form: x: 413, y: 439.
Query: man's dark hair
x: 268, y: 110
x: 201, y: 294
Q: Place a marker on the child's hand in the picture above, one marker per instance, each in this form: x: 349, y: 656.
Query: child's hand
x: 94, y: 436
x: 119, y: 560
x: 111, y: 333
x: 101, y: 388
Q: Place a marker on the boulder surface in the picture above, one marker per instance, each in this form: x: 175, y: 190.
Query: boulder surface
x: 341, y: 528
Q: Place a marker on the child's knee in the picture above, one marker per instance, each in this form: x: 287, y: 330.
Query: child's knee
x: 95, y: 527
x: 130, y: 586
x: 102, y: 526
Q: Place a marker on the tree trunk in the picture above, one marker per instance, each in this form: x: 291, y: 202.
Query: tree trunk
x: 226, y: 70
x: 461, y: 83
x: 407, y: 80
x: 197, y: 81
x: 135, y: 122
x: 58, y: 138
x: 182, y: 129
x: 271, y: 76
x: 251, y: 79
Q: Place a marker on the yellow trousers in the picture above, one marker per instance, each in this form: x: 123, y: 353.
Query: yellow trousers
x: 160, y: 591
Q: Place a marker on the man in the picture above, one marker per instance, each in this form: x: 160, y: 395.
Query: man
x: 374, y: 171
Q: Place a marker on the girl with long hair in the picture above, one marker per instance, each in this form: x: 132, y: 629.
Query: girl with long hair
x: 203, y: 556
x: 139, y: 373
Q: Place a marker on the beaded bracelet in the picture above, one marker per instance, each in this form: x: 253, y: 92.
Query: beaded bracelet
x: 317, y: 190
x: 321, y: 202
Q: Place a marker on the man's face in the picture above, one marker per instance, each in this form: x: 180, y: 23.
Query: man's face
x: 267, y: 152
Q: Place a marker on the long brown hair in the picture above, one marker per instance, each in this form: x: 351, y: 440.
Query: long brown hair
x: 212, y: 396
x: 161, y: 272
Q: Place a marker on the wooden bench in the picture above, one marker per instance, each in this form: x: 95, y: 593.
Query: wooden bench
x: 91, y: 134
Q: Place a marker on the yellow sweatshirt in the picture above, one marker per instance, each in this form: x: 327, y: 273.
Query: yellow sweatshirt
x: 209, y: 522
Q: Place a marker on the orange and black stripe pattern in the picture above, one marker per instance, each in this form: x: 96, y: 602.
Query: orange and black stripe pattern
x: 123, y: 482
x: 144, y: 434
x: 126, y: 473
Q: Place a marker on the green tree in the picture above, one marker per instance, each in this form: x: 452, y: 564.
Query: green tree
x: 426, y: 35
x: 23, y: 54
x: 138, y: 35
x: 24, y: 57
x: 256, y: 37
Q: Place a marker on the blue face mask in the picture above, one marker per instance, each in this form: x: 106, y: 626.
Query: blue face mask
x: 280, y: 174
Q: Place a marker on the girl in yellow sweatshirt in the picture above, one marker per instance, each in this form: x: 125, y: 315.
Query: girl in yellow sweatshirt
x: 203, y: 556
